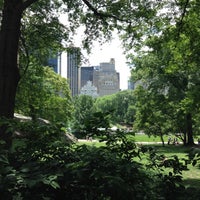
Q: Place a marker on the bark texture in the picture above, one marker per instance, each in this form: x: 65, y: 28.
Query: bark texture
x: 190, y: 140
x: 9, y: 72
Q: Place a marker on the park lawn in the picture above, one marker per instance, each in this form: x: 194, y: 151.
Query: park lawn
x: 91, y: 143
x: 191, y: 177
x: 146, y: 138
x: 134, y: 137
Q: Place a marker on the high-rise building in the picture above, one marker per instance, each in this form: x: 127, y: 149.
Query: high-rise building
x: 86, y: 75
x: 130, y: 85
x: 106, y: 79
x: 66, y: 64
x: 89, y: 89
x: 73, y: 70
x: 103, y: 77
x: 55, y: 63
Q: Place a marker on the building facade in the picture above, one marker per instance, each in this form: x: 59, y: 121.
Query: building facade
x: 86, y: 75
x: 66, y: 64
x: 55, y: 63
x: 130, y: 85
x: 73, y: 70
x: 89, y: 89
x: 102, y: 79
x: 106, y: 79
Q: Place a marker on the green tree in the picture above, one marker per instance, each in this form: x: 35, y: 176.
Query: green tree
x: 83, y: 109
x: 49, y: 96
x: 169, y: 67
x: 153, y: 114
x: 99, y: 18
x: 119, y: 106
x: 123, y: 101
x: 105, y: 104
x: 15, y: 42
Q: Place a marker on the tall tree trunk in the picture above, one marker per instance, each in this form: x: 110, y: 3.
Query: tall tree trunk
x: 162, y: 139
x: 9, y: 72
x: 190, y: 140
x: 184, y: 138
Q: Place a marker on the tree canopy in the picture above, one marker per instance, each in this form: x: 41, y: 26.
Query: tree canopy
x: 40, y: 164
x: 49, y: 96
x: 119, y: 105
x: 138, y: 22
x: 168, y: 71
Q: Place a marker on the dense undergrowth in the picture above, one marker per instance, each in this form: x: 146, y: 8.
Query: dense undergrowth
x: 42, y: 164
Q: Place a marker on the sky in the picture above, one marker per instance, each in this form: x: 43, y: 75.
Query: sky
x: 113, y: 49
x: 103, y: 53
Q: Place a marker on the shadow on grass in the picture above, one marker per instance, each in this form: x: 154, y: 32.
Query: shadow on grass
x: 172, y: 149
x: 194, y: 182
x: 191, y: 177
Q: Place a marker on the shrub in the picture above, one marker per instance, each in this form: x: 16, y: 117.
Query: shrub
x: 41, y: 165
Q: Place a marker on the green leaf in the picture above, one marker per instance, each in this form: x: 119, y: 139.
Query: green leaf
x: 3, y: 159
x: 54, y: 184
x: 194, y: 162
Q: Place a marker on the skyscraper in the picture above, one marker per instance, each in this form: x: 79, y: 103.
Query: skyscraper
x: 106, y: 79
x: 66, y: 64
x: 130, y: 85
x: 86, y: 75
x: 73, y: 70
x: 55, y: 63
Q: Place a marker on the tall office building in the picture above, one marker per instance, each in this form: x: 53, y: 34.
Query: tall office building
x: 86, y: 75
x: 66, y: 64
x: 103, y: 77
x: 89, y: 89
x: 130, y: 85
x: 55, y: 63
x: 73, y: 70
x: 106, y: 79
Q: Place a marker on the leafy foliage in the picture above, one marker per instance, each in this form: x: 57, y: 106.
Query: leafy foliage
x: 153, y: 114
x: 91, y: 114
x: 167, y: 70
x: 41, y: 165
x: 119, y: 105
x: 83, y: 110
x: 48, y: 98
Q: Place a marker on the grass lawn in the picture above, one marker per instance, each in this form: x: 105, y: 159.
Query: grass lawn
x: 146, y: 138
x: 190, y: 177
x: 91, y: 143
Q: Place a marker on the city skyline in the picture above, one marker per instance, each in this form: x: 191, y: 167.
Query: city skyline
x: 104, y: 76
x: 103, y: 53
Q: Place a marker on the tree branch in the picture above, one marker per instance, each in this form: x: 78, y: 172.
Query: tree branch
x: 184, y: 11
x: 101, y: 15
x: 26, y: 54
x: 27, y: 3
x: 180, y: 23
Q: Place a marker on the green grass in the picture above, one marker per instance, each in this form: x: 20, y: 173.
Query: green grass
x: 172, y: 149
x: 91, y: 143
x: 190, y: 177
x: 146, y: 138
